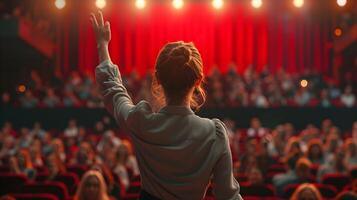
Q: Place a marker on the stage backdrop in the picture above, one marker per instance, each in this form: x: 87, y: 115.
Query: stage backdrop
x: 274, y: 37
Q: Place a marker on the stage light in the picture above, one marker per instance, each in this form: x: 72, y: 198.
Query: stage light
x: 60, y: 4
x: 177, y: 4
x: 304, y: 83
x: 341, y: 3
x: 100, y: 4
x: 256, y: 3
x: 21, y: 88
x: 217, y: 4
x: 140, y: 4
x: 298, y: 3
x: 338, y: 32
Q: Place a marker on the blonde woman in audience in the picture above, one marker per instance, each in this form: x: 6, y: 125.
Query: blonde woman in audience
x: 92, y: 187
x: 306, y: 191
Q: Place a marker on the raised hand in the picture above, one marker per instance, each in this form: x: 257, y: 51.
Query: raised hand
x: 101, y: 29
x: 102, y: 35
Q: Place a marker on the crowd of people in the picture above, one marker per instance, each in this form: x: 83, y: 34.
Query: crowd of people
x: 303, y: 156
x: 251, y: 89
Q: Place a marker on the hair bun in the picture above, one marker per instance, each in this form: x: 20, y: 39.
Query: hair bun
x: 181, y: 54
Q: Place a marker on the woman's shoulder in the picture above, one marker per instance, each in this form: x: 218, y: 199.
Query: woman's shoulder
x: 221, y: 129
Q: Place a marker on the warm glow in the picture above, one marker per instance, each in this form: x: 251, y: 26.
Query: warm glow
x: 177, y: 4
x: 341, y: 3
x: 140, y: 4
x: 298, y: 3
x: 257, y: 3
x: 21, y: 88
x: 303, y: 83
x: 60, y: 4
x: 217, y: 4
x: 338, y: 32
x: 100, y: 4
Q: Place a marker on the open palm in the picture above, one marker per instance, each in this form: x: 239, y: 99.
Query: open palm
x: 101, y: 29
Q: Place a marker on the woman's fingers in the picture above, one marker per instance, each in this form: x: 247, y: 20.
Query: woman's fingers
x: 94, y: 20
x: 100, y: 19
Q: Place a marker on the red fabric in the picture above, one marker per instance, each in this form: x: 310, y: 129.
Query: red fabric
x: 236, y: 34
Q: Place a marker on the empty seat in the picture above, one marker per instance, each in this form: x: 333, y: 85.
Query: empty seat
x: 339, y: 181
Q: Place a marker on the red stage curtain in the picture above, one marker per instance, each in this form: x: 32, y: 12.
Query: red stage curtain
x: 235, y: 34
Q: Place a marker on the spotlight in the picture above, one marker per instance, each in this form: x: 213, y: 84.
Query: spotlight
x: 21, y: 88
x: 60, y: 4
x: 177, y: 4
x: 338, y: 32
x: 298, y: 3
x: 100, y: 4
x: 304, y: 83
x: 341, y: 3
x: 217, y: 4
x: 140, y: 4
x: 256, y: 3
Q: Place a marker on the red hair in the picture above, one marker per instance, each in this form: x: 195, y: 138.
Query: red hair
x: 178, y: 70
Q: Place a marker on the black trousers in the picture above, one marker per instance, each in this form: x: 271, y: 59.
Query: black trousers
x: 147, y: 196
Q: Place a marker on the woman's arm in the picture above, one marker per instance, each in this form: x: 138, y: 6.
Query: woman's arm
x: 115, y: 96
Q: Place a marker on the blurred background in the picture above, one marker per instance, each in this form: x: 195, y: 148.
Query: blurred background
x: 278, y: 72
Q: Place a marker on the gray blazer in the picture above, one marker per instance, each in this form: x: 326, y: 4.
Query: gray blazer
x: 178, y: 152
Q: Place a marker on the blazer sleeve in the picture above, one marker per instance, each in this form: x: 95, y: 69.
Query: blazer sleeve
x: 116, y: 98
x: 225, y: 186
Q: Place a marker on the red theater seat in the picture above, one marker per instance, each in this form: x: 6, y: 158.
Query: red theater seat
x: 339, y: 181
x: 10, y: 182
x: 77, y: 169
x: 56, y: 188
x: 261, y: 198
x: 43, y: 196
x: 70, y: 179
x: 266, y: 190
x: 134, y: 188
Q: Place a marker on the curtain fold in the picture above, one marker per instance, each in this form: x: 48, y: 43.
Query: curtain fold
x: 235, y: 34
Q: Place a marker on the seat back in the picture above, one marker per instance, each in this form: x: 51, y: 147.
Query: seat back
x: 43, y: 196
x: 11, y: 182
x: 265, y: 190
x: 56, y: 188
x: 339, y: 181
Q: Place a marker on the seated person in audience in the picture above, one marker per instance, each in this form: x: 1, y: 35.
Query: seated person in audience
x: 351, y: 153
x: 85, y: 155
x: 21, y: 164
x: 72, y: 129
x: 255, y: 177
x: 54, y: 165
x: 58, y: 148
x: 7, y: 147
x: 333, y: 142
x: 25, y: 138
x: 51, y: 99
x: 120, y: 169
x: 92, y: 187
x: 113, y: 188
x: 299, y: 174
x: 36, y: 152
x: 348, y: 99
x: 315, y: 152
x: 256, y: 129
x: 306, y: 191
x: 28, y: 100
x: 37, y: 130
x: 248, y: 158
x: 335, y: 165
